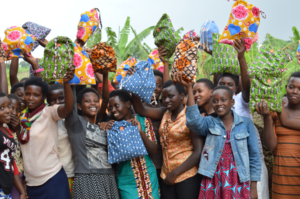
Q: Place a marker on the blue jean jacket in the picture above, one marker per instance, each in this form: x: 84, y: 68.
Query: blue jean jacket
x: 243, y: 142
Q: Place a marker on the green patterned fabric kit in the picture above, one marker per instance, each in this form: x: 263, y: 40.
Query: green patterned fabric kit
x: 58, y: 58
x: 266, y: 75
x: 95, y: 38
x: 165, y: 35
x: 224, y: 58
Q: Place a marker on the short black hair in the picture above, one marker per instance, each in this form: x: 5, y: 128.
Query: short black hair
x: 13, y: 96
x: 158, y: 73
x: 123, y: 95
x: 56, y: 87
x: 235, y: 78
x: 15, y: 86
x: 178, y: 87
x: 225, y: 88
x: 84, y: 91
x: 208, y: 83
x: 24, y: 79
x: 2, y: 94
x: 37, y: 81
x: 295, y: 74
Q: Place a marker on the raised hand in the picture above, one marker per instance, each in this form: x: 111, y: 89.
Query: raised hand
x: 240, y: 47
x: 262, y: 108
x: 162, y: 52
x: 69, y: 75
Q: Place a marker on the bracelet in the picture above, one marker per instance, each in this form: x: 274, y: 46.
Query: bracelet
x: 38, y: 70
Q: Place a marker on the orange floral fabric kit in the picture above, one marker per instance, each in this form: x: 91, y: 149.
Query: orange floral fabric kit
x: 186, y: 59
x: 103, y: 56
x: 244, y: 21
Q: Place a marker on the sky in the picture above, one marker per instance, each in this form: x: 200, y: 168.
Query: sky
x: 62, y: 16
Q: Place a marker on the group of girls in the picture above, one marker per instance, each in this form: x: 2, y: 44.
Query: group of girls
x: 200, y: 138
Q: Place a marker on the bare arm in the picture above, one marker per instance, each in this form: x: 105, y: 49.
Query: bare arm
x: 64, y: 110
x: 166, y: 73
x: 18, y: 184
x: 150, y: 145
x: 287, y: 121
x: 34, y: 63
x: 13, y: 71
x: 105, y: 95
x: 3, y: 78
x: 240, y: 47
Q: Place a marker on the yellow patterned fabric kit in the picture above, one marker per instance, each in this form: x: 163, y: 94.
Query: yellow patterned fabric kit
x: 123, y: 68
x: 88, y: 23
x: 17, y: 41
x: 244, y: 21
x: 84, y: 73
x: 2, y: 52
x: 155, y: 61
x: 186, y: 59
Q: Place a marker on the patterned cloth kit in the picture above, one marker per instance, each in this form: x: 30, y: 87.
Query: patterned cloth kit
x: 123, y: 68
x: 155, y: 61
x: 58, y: 58
x: 190, y: 35
x: 186, y: 59
x: 40, y: 32
x: 165, y: 35
x: 224, y: 58
x: 243, y: 22
x: 298, y: 53
x: 266, y: 75
x: 94, y: 39
x: 206, y: 34
x: 136, y: 83
x: 17, y: 41
x: 89, y: 22
x: 103, y: 56
x: 2, y: 52
x: 124, y: 142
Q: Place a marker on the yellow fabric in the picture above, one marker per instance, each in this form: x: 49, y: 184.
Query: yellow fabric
x: 244, y: 21
x: 17, y: 41
x: 84, y: 73
x: 88, y: 23
x: 122, y: 70
x: 155, y: 61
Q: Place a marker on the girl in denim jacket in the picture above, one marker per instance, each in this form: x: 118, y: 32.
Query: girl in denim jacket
x: 230, y: 160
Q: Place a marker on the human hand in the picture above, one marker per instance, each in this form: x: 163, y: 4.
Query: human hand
x: 23, y: 196
x: 131, y: 70
x: 170, y: 179
x: 43, y: 42
x: 253, y: 190
x: 69, y: 75
x: 240, y: 47
x: 262, y: 108
x: 196, y: 38
x: 106, y: 125
x: 162, y: 52
x: 135, y: 123
x: 14, y: 123
x: 177, y: 79
x: 29, y: 58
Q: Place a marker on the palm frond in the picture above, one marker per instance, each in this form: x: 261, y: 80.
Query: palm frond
x: 124, y: 36
x: 111, y: 37
x: 296, y: 34
x: 179, y: 30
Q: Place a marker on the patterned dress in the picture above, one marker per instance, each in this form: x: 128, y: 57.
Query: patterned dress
x: 225, y: 183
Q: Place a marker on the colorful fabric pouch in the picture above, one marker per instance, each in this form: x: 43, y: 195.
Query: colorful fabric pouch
x: 16, y: 41
x: 123, y: 68
x: 94, y: 39
x: 103, y: 56
x: 243, y: 22
x: 40, y: 32
x: 155, y: 61
x: 84, y: 73
x: 124, y: 142
x: 2, y: 52
x: 206, y: 34
x: 266, y: 75
x: 186, y: 59
x: 165, y: 35
x: 224, y: 58
x: 190, y: 35
x: 298, y: 53
x: 89, y: 22
x: 141, y: 83
x: 58, y: 58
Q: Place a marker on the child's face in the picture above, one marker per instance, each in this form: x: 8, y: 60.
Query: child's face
x: 16, y: 107
x: 56, y: 97
x: 158, y: 88
x: 5, y: 110
x: 33, y: 97
x: 222, y: 102
x: 202, y: 94
x: 20, y: 93
x: 171, y: 98
x: 118, y: 108
x: 293, y: 91
x: 229, y: 82
x: 89, y: 104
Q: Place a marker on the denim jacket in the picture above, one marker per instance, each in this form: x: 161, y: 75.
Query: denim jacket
x: 243, y: 142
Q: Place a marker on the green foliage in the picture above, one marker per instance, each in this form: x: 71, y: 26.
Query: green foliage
x: 252, y: 53
x: 95, y: 38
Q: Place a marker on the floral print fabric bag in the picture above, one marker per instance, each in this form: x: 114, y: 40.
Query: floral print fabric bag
x: 40, y: 32
x: 123, y: 68
x: 2, y: 52
x: 155, y: 61
x: 244, y: 21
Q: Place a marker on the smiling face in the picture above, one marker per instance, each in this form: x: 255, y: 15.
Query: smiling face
x: 171, y: 98
x: 158, y: 88
x: 222, y: 102
x: 293, y: 91
x: 119, y: 109
x: 89, y: 104
x: 229, y: 82
x: 5, y: 110
x: 202, y: 94
x: 34, y: 97
x: 16, y: 107
x: 56, y: 97
x: 20, y: 93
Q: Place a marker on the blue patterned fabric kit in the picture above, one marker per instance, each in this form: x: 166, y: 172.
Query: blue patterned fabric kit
x: 141, y: 83
x: 124, y: 142
x: 206, y: 34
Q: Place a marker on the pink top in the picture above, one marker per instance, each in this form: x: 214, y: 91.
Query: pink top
x: 40, y: 154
